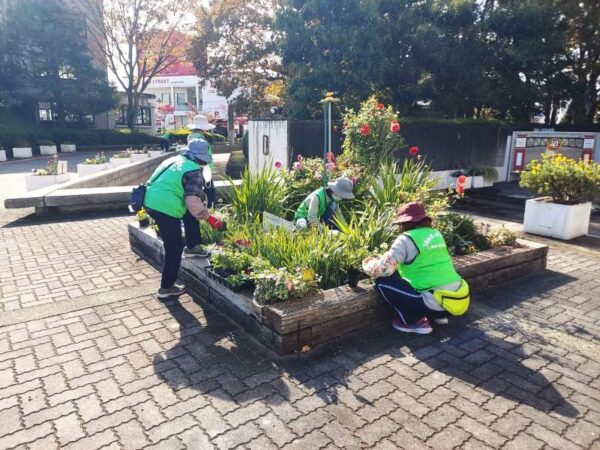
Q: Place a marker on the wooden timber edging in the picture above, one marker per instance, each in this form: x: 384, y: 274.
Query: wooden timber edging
x: 289, y: 326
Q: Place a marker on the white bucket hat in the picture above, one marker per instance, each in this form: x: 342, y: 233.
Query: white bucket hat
x: 200, y: 122
x: 342, y: 187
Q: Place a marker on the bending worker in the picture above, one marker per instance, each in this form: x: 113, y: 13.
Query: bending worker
x: 321, y: 205
x: 199, y: 125
x: 416, y: 276
x: 172, y: 196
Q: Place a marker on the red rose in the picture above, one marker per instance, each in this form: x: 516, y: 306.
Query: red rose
x: 394, y: 127
x: 413, y: 150
x: 460, y: 189
x: 462, y: 179
x: 365, y: 129
x: 380, y: 106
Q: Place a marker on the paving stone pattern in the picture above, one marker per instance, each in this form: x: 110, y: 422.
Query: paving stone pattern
x: 521, y: 371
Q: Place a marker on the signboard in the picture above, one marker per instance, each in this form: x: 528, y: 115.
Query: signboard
x: 521, y: 142
x: 588, y: 143
x: 519, y: 161
x: 61, y: 167
x: 174, y: 81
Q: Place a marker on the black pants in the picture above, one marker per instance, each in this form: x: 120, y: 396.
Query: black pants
x: 170, y: 232
x: 211, y: 194
x: 405, y: 300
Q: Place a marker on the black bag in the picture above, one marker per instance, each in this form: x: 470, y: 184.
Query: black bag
x: 136, y: 201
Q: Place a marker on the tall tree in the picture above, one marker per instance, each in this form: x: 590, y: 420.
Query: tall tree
x: 235, y: 47
x: 46, y: 58
x: 330, y: 46
x: 139, y: 39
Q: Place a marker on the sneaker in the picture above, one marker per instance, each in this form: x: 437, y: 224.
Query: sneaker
x: 421, y: 326
x: 441, y: 320
x: 174, y: 291
x: 197, y: 251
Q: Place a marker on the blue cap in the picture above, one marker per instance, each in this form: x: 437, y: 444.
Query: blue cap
x: 198, y: 149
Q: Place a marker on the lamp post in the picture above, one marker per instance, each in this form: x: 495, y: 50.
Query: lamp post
x: 327, y: 102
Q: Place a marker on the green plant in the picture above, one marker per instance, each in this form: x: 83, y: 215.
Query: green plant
x: 260, y: 191
x: 51, y: 167
x: 501, y: 236
x: 22, y: 142
x: 372, y: 134
x: 209, y: 235
x: 99, y: 158
x: 489, y: 173
x: 124, y: 154
x: 566, y: 180
x: 46, y: 142
x: 461, y: 234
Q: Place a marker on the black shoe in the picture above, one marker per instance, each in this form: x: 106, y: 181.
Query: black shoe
x: 197, y: 251
x: 174, y: 291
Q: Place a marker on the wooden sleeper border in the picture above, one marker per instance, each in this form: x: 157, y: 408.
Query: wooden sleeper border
x: 289, y: 326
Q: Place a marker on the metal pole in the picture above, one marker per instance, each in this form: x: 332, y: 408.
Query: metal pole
x: 325, y: 144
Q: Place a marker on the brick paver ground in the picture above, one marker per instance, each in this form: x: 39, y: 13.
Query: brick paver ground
x: 90, y: 359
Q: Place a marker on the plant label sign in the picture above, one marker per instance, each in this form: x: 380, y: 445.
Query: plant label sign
x: 61, y: 167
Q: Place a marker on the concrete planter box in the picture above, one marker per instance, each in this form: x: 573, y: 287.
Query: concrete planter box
x: 22, y: 152
x: 48, y: 150
x: 155, y: 153
x: 565, y: 222
x: 68, y: 148
x: 89, y: 169
x: 288, y: 327
x: 2, y: 155
x: 135, y: 157
x: 118, y: 162
x: 34, y: 181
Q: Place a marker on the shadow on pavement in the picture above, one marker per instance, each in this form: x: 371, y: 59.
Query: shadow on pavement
x: 221, y: 361
x: 32, y: 219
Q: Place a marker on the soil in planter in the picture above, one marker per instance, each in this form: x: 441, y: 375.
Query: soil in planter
x: 144, y: 223
x: 354, y: 276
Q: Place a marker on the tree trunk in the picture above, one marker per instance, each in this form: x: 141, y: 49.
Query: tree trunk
x: 131, y: 110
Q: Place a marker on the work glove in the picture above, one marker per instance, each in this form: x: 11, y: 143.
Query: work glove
x: 216, y: 223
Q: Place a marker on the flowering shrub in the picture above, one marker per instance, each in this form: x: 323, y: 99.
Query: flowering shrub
x: 124, y: 154
x: 372, y: 133
x: 99, y: 158
x: 51, y: 167
x: 566, y: 180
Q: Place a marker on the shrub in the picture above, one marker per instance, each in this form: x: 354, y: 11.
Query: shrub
x: 46, y: 142
x: 501, y: 236
x: 245, y: 144
x: 372, y: 134
x: 566, y: 180
x: 460, y: 233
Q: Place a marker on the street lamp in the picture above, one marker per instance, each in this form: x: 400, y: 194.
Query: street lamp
x: 326, y: 102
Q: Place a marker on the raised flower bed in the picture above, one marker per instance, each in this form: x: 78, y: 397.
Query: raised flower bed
x: 93, y: 165
x: 49, y: 176
x: 121, y: 159
x: 289, y: 326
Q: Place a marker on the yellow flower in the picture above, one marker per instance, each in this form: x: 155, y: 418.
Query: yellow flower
x: 307, y: 274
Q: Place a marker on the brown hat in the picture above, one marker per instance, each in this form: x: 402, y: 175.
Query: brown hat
x: 411, y: 212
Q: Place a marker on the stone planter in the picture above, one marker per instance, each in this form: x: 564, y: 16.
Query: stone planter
x: 118, y: 162
x: 135, y: 157
x: 48, y: 150
x: 477, y: 182
x: 565, y: 222
x: 34, y: 181
x: 288, y: 327
x: 155, y: 153
x: 89, y: 169
x: 68, y: 148
x: 2, y: 155
x: 22, y: 152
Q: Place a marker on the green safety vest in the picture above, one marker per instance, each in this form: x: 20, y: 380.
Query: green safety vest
x: 433, y: 265
x: 165, y: 192
x: 210, y: 152
x: 302, y: 212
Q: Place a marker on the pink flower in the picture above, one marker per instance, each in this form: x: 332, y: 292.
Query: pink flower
x: 354, y: 180
x: 380, y: 106
x: 278, y: 164
x: 394, y: 127
x: 289, y: 285
x: 298, y: 165
x: 329, y: 166
x: 299, y: 158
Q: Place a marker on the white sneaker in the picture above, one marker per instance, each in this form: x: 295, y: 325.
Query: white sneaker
x: 441, y: 321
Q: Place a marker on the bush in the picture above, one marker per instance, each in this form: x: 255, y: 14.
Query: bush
x: 566, y: 180
x: 245, y: 144
x: 460, y: 233
x: 181, y: 134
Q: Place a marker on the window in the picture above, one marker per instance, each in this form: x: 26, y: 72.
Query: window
x: 181, y: 99
x: 45, y: 112
x: 165, y: 98
x: 144, y: 116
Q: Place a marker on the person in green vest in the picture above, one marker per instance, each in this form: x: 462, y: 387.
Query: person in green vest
x: 198, y: 127
x: 173, y: 195
x: 416, y: 276
x: 321, y: 205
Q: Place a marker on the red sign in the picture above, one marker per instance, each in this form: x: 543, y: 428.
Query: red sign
x: 519, y: 159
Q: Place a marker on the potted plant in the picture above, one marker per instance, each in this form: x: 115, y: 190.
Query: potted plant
x: 68, y: 147
x: 22, y: 149
x: 47, y: 147
x: 153, y: 152
x: 48, y: 176
x: 139, y: 155
x: 482, y: 176
x: 121, y: 158
x: 568, y: 187
x: 93, y: 165
x: 143, y: 218
x: 2, y: 154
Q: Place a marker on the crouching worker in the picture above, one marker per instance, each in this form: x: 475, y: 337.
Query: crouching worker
x: 321, y: 205
x: 416, y: 276
x: 173, y: 195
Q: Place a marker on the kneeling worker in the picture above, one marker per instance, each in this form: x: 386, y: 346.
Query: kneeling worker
x: 173, y: 195
x: 321, y: 205
x: 416, y: 276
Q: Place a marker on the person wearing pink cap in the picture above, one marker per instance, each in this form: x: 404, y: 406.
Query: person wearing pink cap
x: 416, y: 276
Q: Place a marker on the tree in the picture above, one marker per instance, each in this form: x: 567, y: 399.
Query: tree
x: 330, y: 46
x: 46, y: 58
x: 235, y: 47
x: 139, y: 39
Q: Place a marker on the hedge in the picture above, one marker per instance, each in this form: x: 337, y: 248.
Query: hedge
x: 14, y: 129
x: 181, y: 134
